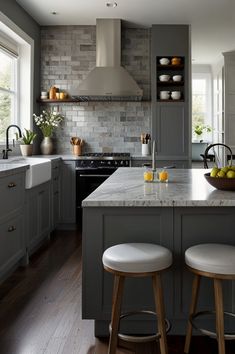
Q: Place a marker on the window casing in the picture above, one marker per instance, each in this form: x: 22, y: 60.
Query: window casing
x: 8, y: 90
x: 202, y: 102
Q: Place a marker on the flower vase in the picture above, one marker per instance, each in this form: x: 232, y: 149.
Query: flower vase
x: 47, y: 146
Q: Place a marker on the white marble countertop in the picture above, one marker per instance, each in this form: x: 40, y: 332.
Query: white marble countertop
x: 186, y: 187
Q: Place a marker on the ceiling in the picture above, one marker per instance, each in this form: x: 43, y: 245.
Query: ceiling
x: 212, y: 21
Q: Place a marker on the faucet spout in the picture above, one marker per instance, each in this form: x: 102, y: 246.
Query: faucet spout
x: 5, y: 152
x: 153, y: 156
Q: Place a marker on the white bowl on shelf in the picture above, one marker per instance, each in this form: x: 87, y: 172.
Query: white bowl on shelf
x: 164, y: 78
x: 164, y: 61
x: 177, y: 78
x: 164, y: 95
x: 175, y: 95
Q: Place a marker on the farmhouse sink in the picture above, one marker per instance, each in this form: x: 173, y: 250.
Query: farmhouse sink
x: 39, y: 169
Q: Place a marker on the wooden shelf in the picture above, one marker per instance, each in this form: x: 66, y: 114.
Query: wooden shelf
x: 170, y: 100
x: 170, y: 67
x: 72, y: 100
x: 67, y: 100
x: 170, y: 83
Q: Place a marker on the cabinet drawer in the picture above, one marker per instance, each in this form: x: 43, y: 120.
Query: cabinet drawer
x: 11, y: 242
x: 12, y: 193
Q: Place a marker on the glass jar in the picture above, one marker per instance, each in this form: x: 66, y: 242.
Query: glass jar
x: 148, y: 174
x: 162, y: 176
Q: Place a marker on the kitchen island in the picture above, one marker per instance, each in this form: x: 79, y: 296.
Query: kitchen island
x: 178, y: 214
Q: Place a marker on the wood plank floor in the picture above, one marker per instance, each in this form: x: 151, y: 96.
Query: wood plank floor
x: 40, y: 308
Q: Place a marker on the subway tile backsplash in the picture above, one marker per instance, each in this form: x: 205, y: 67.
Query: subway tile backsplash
x: 68, y: 54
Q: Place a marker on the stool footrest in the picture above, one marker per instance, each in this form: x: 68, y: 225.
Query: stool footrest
x: 227, y: 336
x: 140, y: 338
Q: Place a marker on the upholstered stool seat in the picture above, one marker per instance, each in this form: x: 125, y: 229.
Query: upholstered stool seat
x: 137, y: 260
x: 212, y: 258
x: 216, y: 261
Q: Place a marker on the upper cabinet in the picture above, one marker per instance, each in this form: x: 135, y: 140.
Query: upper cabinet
x: 171, y: 91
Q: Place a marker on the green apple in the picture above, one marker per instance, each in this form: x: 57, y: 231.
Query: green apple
x: 230, y: 174
x: 232, y: 168
x: 214, y: 171
x: 225, y: 169
x: 221, y: 174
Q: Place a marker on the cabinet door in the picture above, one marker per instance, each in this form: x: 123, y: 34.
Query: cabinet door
x: 55, y: 194
x: 172, y: 130
x: 68, y: 192
x: 12, y: 244
x: 38, y: 220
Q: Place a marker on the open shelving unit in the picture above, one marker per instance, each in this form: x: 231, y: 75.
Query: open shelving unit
x: 170, y: 69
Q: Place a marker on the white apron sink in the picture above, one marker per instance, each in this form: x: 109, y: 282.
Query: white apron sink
x: 39, y: 169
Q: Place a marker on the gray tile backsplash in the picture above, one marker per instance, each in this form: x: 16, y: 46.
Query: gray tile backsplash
x: 68, y: 54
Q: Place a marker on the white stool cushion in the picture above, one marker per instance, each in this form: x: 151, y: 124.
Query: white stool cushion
x: 137, y: 257
x: 212, y: 258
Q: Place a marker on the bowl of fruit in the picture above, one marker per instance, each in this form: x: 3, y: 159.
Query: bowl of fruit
x: 222, y: 178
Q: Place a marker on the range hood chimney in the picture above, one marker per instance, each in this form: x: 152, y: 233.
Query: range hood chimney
x: 109, y: 79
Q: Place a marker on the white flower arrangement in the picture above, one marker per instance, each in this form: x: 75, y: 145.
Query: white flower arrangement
x: 48, y: 121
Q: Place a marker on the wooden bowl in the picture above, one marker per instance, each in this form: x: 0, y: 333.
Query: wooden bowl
x: 226, y: 184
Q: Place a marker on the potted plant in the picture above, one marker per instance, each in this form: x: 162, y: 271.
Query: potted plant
x: 26, y: 142
x: 199, y: 145
x: 47, y: 121
x: 199, y: 129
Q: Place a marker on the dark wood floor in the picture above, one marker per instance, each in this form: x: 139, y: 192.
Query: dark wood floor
x: 40, y: 308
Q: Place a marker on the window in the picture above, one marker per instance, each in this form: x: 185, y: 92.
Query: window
x: 202, y: 104
x: 8, y: 91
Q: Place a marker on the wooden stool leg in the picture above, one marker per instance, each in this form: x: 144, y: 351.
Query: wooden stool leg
x: 160, y: 311
x: 195, y: 290
x: 116, y: 310
x: 219, y: 309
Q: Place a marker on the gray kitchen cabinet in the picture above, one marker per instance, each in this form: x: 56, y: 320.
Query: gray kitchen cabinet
x: 171, y: 118
x: 140, y: 162
x: 37, y: 215
x: 161, y: 163
x: 68, y: 194
x: 55, y: 193
x: 12, y: 236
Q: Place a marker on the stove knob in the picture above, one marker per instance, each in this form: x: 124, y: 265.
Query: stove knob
x: 115, y: 163
x: 121, y: 163
x: 109, y: 162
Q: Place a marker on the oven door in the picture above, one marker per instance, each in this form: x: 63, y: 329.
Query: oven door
x: 87, y: 180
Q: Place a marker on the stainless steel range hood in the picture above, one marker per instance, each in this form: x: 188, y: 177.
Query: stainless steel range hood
x: 109, y: 79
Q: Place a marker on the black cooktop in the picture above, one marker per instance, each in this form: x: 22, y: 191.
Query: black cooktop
x: 107, y: 154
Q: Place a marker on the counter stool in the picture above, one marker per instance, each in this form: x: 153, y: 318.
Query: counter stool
x: 137, y: 260
x: 216, y: 261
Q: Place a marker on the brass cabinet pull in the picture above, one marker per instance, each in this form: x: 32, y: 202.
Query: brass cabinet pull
x: 11, y: 228
x: 11, y: 185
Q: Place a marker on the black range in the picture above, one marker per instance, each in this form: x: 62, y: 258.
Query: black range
x: 92, y: 169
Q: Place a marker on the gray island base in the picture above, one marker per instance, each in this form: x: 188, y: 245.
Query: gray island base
x: 184, y: 212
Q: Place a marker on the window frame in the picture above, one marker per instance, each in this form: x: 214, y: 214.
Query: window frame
x: 5, y: 49
x: 208, y: 119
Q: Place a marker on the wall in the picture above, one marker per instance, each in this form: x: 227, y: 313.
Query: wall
x: 68, y: 54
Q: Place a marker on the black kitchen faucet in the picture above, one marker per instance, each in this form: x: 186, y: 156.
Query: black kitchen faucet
x: 5, y: 152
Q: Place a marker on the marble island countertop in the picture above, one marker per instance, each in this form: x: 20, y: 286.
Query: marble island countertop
x: 186, y: 187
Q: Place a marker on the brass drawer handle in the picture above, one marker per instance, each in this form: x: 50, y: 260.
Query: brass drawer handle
x: 11, y: 228
x: 11, y: 185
